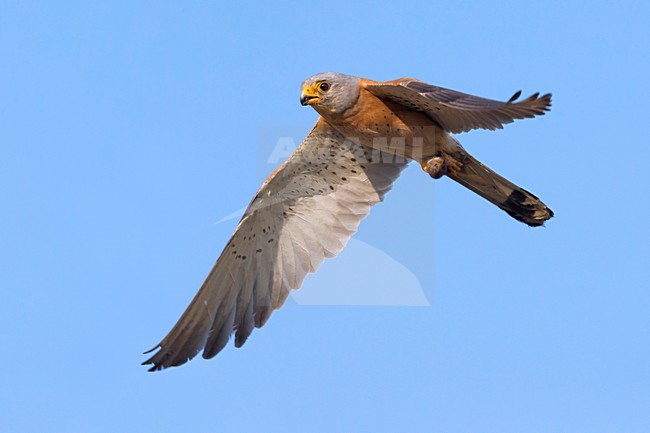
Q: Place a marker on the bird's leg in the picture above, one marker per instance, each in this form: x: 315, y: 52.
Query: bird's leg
x: 441, y: 164
x: 454, y: 165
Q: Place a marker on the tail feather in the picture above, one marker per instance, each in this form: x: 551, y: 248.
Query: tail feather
x: 516, y: 201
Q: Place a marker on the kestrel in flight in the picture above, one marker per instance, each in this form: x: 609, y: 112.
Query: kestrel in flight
x: 307, y: 209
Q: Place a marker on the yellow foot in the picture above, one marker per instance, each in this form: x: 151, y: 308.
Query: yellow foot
x: 453, y: 164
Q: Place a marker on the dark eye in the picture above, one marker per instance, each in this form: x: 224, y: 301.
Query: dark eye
x: 324, y: 87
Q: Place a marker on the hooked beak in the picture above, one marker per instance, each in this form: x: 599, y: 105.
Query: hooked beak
x: 309, y: 95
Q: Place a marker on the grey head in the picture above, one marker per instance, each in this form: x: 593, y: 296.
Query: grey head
x: 330, y: 92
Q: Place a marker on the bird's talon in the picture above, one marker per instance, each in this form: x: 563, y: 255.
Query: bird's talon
x: 453, y: 164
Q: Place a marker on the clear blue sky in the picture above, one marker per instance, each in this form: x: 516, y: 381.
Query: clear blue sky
x: 127, y: 130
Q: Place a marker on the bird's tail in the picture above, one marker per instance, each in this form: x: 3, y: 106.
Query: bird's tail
x: 516, y: 201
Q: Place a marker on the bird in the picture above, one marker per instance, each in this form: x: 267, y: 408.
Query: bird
x: 308, y: 208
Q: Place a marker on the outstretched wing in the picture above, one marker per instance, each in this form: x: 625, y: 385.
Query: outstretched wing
x: 306, y: 211
x: 459, y: 112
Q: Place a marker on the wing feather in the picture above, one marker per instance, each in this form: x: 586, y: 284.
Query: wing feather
x: 456, y: 111
x: 304, y: 213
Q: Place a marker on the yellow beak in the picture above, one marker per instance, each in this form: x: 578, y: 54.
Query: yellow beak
x: 309, y: 95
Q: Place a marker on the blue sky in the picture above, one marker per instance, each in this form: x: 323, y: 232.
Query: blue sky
x: 128, y: 130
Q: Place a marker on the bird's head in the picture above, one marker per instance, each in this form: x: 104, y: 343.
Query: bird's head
x: 330, y: 92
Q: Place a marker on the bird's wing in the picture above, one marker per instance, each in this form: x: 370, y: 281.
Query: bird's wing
x: 306, y: 211
x: 455, y: 111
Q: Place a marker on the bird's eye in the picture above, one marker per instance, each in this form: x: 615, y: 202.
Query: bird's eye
x: 324, y: 86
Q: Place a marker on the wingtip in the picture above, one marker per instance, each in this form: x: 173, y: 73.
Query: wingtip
x: 514, y: 97
x: 157, y: 363
x: 150, y: 361
x: 543, y: 102
x: 157, y: 346
x: 154, y: 366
